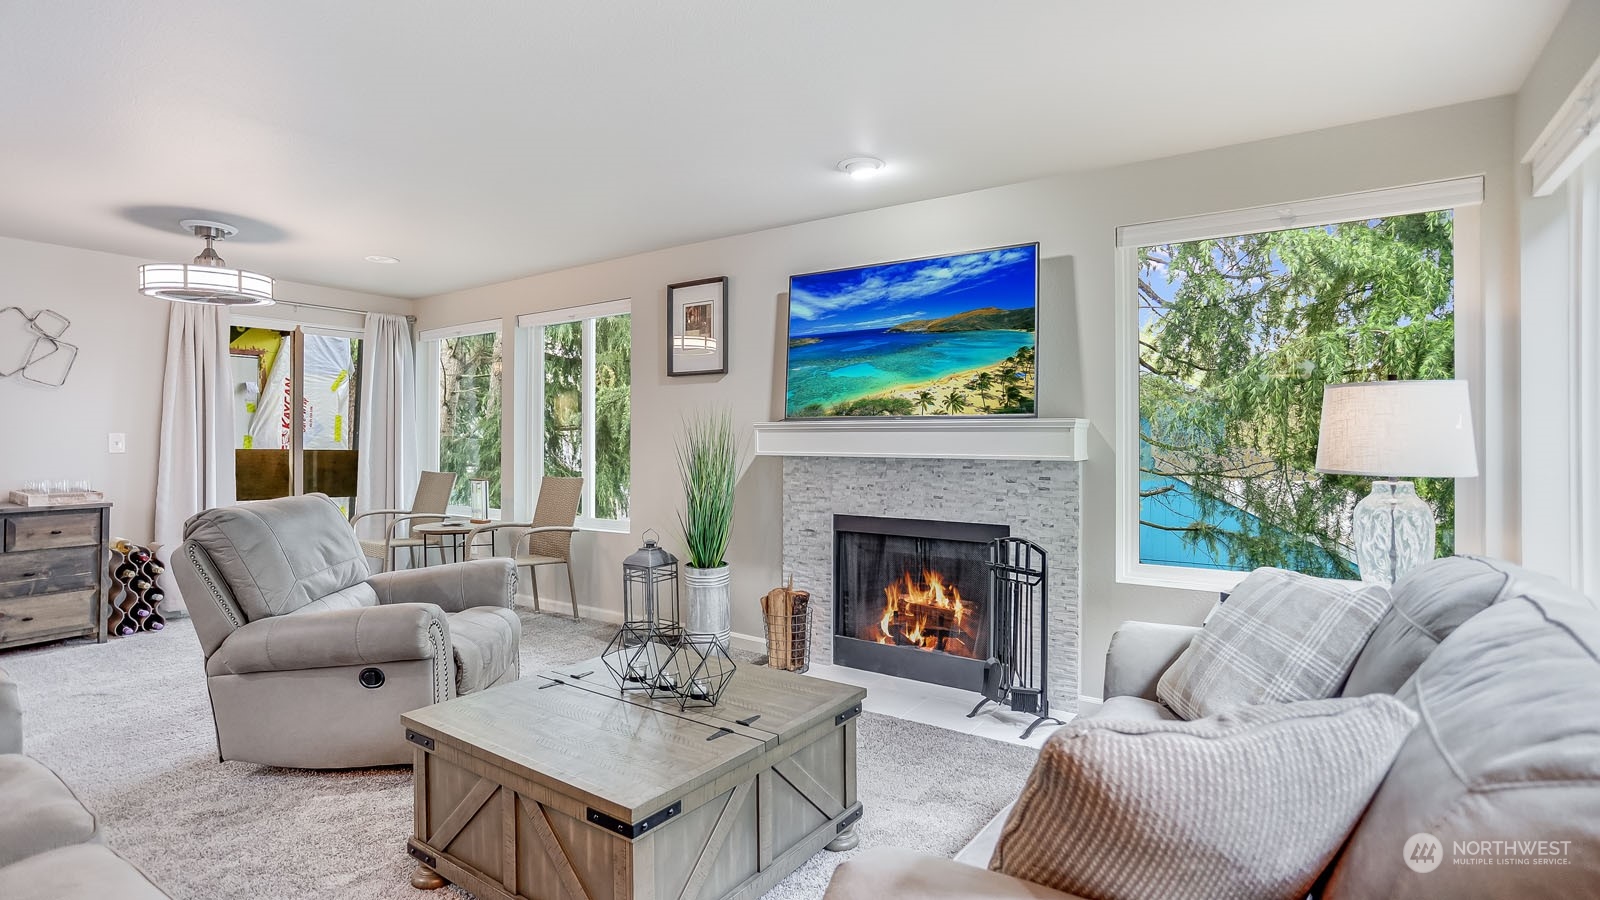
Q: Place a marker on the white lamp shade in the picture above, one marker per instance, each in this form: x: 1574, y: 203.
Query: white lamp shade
x: 1397, y: 429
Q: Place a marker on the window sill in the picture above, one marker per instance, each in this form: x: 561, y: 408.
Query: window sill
x: 604, y: 526
x: 1181, y: 578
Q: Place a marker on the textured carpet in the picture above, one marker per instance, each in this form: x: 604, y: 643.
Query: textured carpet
x: 127, y: 725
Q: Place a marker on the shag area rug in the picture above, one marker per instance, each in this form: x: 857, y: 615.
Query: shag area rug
x: 127, y: 725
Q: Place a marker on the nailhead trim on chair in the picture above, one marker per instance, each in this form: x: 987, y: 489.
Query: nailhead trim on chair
x: 441, y: 663
x: 216, y: 594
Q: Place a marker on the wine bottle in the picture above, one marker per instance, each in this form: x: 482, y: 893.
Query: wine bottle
x: 155, y: 597
x: 154, y: 568
x: 126, y: 572
x: 140, y: 584
x: 139, y: 555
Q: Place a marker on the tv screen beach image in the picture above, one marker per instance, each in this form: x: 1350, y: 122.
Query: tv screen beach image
x: 944, y: 336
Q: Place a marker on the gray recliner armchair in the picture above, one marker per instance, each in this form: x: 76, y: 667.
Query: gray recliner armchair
x: 310, y: 659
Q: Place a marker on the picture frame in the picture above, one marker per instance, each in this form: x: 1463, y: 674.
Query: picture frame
x: 697, y: 327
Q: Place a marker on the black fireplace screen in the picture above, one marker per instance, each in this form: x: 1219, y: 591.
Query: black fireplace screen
x: 913, y: 583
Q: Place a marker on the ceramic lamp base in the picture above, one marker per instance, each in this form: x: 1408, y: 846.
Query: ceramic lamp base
x: 1393, y: 532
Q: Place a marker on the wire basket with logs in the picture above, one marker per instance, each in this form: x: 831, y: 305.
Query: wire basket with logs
x: 788, y: 615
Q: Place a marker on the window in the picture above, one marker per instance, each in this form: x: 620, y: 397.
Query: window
x: 1232, y: 330
x: 465, y: 363
x: 581, y: 381
x: 272, y: 361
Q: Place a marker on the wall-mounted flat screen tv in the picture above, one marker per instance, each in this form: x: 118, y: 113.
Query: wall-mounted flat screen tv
x: 942, y: 336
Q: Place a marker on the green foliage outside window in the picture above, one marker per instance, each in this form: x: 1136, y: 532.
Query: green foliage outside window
x: 563, y: 409
x: 469, y: 413
x: 613, y: 417
x: 1238, y: 336
x: 563, y: 400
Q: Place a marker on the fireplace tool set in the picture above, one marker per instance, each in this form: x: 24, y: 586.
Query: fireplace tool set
x: 1016, y: 671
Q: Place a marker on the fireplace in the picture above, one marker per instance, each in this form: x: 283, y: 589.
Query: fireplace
x: 912, y: 597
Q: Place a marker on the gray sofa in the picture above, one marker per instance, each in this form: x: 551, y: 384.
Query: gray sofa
x: 49, y: 841
x: 310, y: 659
x: 1503, y: 666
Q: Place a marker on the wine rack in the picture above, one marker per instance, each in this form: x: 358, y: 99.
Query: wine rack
x: 136, y: 594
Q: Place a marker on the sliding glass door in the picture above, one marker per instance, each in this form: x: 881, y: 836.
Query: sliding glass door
x: 276, y: 370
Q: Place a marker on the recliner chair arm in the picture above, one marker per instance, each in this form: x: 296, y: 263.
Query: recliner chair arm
x: 320, y: 639
x: 452, y: 587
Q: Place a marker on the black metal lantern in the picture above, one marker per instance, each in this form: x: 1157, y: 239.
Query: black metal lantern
x: 650, y: 617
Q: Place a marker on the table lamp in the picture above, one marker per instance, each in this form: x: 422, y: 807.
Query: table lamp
x: 1394, y: 429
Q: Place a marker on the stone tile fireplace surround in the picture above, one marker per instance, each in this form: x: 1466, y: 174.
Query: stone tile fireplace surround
x: 1038, y: 498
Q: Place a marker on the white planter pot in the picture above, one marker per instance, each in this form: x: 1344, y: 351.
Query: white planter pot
x: 710, y: 602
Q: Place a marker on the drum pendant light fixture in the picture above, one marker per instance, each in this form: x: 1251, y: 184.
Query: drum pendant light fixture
x: 207, y: 279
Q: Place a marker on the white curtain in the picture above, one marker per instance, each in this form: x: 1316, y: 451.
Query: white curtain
x: 194, y: 470
x: 1583, y: 309
x: 388, y: 469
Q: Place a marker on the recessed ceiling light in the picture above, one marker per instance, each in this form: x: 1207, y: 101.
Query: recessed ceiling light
x: 382, y: 260
x: 861, y: 167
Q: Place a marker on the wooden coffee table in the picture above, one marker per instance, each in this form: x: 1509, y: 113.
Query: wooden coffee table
x: 557, y: 788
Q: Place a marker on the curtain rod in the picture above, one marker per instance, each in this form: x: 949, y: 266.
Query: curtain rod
x: 340, y: 309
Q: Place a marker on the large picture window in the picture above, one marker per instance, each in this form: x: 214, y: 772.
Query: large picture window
x: 466, y: 365
x: 1235, y: 338
x: 581, y: 379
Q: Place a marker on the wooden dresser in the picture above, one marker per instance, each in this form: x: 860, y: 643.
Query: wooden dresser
x: 53, y: 574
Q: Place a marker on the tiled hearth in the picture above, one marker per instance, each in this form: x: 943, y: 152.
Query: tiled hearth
x: 1038, y: 499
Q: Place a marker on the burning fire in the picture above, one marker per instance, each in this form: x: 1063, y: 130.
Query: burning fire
x: 925, y: 613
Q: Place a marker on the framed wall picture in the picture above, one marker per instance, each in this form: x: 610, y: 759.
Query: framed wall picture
x: 697, y: 327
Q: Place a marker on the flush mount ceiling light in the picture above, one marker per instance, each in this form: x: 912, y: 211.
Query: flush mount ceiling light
x: 382, y: 260
x: 861, y: 167
x: 207, y: 279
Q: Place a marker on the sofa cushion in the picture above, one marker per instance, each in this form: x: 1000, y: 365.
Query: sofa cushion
x: 39, y: 811
x: 485, y: 640
x: 1282, y: 636
x: 10, y: 715
x: 893, y: 873
x: 1429, y: 602
x: 81, y: 872
x: 279, y: 555
x: 1123, y: 809
x: 1133, y: 709
x: 1508, y: 750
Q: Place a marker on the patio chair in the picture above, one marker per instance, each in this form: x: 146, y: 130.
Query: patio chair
x: 427, y: 507
x: 547, y: 540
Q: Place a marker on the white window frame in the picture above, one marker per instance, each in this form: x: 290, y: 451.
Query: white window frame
x: 428, y: 388
x: 1463, y: 195
x: 530, y: 349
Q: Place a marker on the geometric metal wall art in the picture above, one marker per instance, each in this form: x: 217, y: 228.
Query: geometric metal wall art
x: 31, y: 346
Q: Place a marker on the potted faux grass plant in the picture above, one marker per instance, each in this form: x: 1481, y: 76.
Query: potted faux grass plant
x: 708, y: 462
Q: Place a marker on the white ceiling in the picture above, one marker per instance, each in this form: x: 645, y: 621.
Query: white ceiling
x: 480, y: 141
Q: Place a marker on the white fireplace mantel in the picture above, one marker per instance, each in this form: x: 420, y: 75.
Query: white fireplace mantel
x: 1025, y: 439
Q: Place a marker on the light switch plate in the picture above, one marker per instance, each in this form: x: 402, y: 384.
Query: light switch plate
x: 117, y: 442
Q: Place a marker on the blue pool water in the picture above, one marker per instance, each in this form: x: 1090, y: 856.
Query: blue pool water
x: 858, y: 364
x: 1178, y: 507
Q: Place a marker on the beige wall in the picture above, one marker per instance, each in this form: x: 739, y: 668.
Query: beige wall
x: 116, y: 384
x: 1074, y: 218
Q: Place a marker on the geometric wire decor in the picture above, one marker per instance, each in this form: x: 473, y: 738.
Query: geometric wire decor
x: 32, y: 347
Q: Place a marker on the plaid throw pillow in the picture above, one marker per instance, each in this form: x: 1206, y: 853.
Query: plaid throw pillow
x: 1282, y: 636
